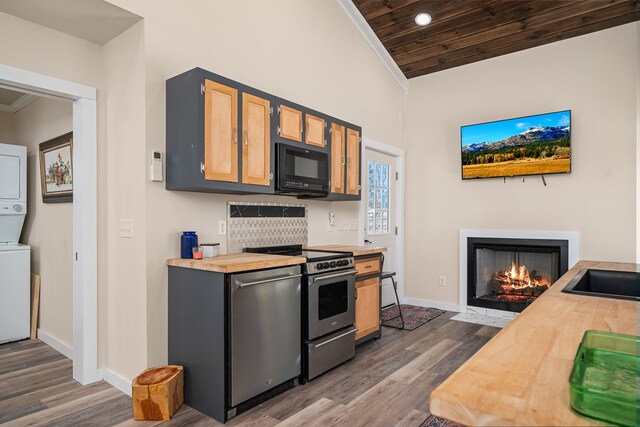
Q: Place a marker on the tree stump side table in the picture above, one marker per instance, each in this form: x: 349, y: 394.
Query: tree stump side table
x: 157, y: 393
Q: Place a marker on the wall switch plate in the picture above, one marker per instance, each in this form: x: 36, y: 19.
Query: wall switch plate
x: 126, y: 228
x: 222, y: 227
x: 353, y: 224
x: 443, y: 281
x: 344, y: 224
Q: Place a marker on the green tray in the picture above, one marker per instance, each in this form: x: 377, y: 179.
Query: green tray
x: 605, y: 379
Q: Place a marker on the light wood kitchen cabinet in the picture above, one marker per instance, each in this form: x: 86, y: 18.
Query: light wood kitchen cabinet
x: 220, y: 132
x: 353, y: 162
x: 256, y: 140
x: 367, y: 307
x: 345, y: 162
x: 368, y: 295
x: 290, y: 123
x: 337, y: 158
x: 314, y: 130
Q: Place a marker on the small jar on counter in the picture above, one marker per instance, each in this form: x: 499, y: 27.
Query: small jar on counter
x: 188, y: 240
x: 210, y: 249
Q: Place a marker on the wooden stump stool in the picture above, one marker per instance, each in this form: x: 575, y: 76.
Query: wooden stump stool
x: 157, y: 393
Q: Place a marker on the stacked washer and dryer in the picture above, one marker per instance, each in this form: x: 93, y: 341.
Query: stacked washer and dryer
x: 15, y: 258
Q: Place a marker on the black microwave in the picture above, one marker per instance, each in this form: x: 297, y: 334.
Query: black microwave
x: 301, y: 171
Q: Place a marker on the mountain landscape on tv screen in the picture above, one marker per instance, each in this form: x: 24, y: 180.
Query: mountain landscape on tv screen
x: 537, y: 150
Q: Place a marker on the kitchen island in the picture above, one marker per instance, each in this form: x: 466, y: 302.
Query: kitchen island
x: 521, y: 376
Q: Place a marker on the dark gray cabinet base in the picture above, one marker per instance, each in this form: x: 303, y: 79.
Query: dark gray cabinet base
x: 199, y: 340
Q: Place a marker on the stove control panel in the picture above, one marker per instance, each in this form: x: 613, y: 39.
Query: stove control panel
x: 325, y: 266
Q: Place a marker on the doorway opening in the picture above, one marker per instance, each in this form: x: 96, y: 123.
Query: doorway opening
x: 381, y: 209
x: 85, y: 224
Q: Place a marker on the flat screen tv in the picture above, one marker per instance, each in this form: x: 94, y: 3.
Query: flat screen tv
x: 530, y: 145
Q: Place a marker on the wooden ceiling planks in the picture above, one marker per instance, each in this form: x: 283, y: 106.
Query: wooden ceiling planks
x: 466, y: 31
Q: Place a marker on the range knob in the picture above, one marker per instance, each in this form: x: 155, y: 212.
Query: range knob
x: 17, y: 208
x: 320, y: 266
x: 332, y: 264
x: 343, y: 263
x: 325, y: 265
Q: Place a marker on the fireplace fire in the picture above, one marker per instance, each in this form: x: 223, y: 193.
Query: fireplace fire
x: 509, y: 274
x: 518, y: 285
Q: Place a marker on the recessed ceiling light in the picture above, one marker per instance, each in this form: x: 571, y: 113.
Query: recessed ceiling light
x: 423, y: 19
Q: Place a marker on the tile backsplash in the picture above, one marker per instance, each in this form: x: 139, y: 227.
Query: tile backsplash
x: 251, y: 224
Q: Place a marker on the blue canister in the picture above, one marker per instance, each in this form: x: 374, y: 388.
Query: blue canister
x: 188, y: 240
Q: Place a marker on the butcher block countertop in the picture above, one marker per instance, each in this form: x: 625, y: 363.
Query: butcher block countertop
x: 521, y: 376
x: 356, y: 250
x: 234, y: 263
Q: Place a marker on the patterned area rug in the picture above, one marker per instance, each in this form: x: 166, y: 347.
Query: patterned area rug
x: 414, y: 316
x: 434, y: 421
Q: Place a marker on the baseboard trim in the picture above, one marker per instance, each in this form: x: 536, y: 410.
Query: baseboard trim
x: 118, y: 381
x: 433, y: 304
x: 55, y: 343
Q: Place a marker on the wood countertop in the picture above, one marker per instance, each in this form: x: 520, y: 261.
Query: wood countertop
x: 521, y: 376
x: 356, y: 250
x: 234, y: 263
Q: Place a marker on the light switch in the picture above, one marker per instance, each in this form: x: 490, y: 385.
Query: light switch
x: 126, y: 228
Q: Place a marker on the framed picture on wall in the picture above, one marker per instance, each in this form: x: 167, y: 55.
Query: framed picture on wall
x: 56, y: 169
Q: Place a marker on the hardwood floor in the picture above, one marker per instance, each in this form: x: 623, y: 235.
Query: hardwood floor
x: 388, y: 383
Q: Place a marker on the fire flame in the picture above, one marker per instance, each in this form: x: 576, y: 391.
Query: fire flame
x: 519, y: 278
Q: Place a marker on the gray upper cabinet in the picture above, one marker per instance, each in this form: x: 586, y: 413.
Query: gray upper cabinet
x: 218, y: 135
x: 222, y: 136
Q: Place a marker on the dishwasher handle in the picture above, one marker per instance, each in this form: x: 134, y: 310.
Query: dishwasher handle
x: 259, y: 282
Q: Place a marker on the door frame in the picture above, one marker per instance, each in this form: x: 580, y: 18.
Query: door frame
x: 398, y: 154
x: 85, y: 213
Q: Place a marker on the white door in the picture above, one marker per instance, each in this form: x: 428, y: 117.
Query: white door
x: 380, y: 216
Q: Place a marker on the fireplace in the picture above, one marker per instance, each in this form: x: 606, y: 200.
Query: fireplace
x: 510, y: 273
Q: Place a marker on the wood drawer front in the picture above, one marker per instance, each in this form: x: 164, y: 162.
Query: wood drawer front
x: 367, y: 266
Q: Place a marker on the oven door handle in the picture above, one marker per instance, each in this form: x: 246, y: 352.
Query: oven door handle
x: 259, y: 282
x: 332, y: 276
x: 336, y: 338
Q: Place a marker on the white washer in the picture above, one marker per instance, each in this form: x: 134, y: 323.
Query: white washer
x: 15, y: 259
x: 15, y: 291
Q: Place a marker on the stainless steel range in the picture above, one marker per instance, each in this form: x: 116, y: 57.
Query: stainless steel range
x: 328, y: 307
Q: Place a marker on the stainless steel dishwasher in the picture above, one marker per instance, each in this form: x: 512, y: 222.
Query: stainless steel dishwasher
x: 264, y: 330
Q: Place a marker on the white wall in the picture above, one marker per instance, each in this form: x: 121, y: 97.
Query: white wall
x: 7, y: 128
x: 596, y: 77
x: 123, y: 328
x: 48, y: 227
x: 33, y: 47
x: 306, y: 51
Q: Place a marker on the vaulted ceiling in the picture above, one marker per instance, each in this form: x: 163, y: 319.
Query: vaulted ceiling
x: 466, y: 31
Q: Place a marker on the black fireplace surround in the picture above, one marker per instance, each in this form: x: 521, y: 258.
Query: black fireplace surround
x: 489, y: 259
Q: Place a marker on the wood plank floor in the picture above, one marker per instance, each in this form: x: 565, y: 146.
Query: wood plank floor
x: 387, y: 384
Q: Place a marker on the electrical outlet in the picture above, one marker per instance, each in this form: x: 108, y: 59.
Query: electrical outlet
x: 222, y: 227
x: 344, y: 224
x: 443, y: 281
x: 353, y: 224
x: 126, y: 228
x: 332, y: 222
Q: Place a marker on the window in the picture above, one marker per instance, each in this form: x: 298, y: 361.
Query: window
x: 378, y: 198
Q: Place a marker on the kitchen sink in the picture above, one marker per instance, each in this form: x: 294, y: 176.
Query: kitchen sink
x: 606, y: 284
